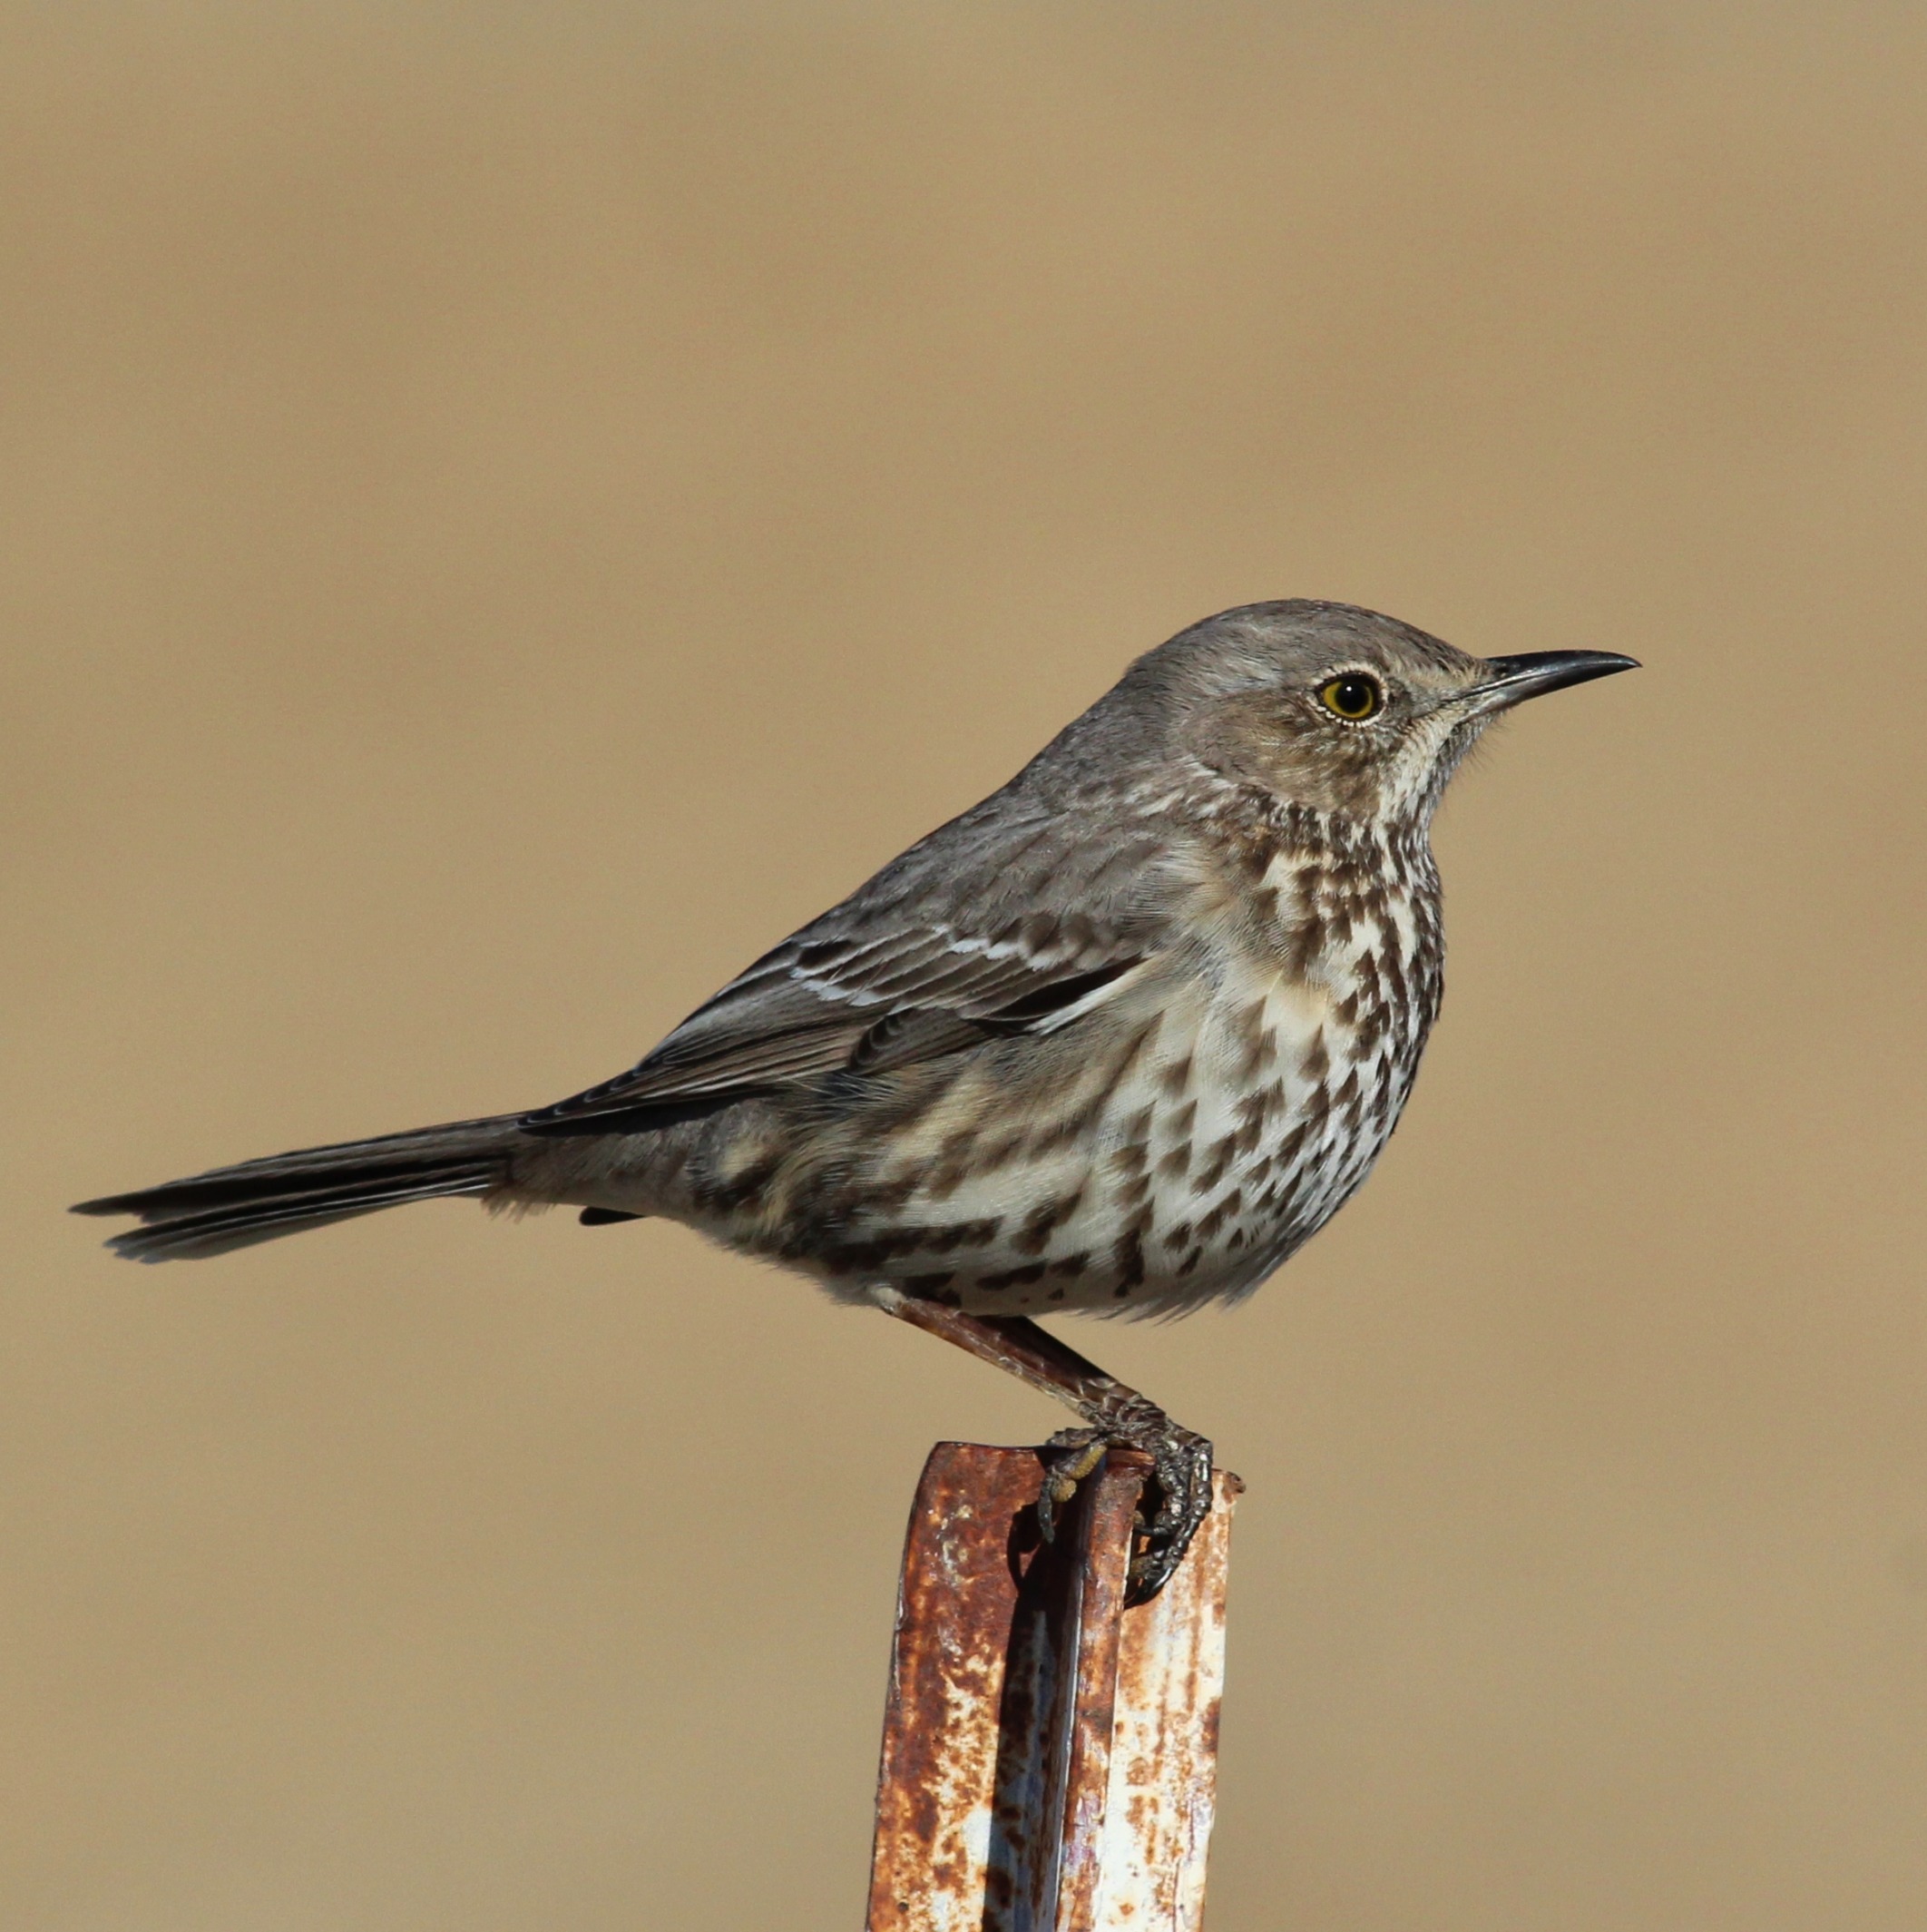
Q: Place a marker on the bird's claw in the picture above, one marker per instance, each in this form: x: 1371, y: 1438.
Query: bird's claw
x: 1077, y: 1454
x: 1176, y: 1498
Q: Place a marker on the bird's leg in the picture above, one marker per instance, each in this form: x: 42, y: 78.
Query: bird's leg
x: 1116, y: 1418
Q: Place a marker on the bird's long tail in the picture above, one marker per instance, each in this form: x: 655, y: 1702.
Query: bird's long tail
x: 234, y: 1207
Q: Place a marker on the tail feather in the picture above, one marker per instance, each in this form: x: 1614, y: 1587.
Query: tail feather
x: 234, y: 1207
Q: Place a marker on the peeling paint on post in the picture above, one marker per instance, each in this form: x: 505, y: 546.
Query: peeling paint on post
x: 1049, y: 1758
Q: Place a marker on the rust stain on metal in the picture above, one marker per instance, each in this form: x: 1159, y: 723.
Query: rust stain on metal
x: 935, y: 1786
x: 1162, y: 1793
x: 1047, y: 1756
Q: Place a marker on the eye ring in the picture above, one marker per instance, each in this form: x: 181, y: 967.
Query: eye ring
x: 1353, y: 695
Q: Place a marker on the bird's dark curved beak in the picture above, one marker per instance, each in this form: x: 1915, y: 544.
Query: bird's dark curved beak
x: 1516, y: 679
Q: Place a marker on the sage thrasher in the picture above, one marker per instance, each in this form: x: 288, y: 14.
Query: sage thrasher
x: 1116, y: 1040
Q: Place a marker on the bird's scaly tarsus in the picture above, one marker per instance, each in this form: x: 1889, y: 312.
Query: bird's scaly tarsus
x: 1116, y: 1417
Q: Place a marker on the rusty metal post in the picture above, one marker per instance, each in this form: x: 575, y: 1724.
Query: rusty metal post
x: 1049, y: 1757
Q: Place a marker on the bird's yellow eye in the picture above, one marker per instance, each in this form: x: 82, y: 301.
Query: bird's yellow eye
x: 1353, y: 697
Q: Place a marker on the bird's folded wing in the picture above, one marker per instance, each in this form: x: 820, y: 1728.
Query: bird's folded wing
x: 892, y: 975
x: 792, y: 1019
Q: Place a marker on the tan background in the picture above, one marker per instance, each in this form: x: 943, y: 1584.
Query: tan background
x: 509, y: 509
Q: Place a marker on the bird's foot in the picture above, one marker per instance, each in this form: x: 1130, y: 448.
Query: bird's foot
x: 1177, y: 1497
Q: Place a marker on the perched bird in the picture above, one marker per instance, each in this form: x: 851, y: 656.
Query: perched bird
x: 1118, y: 1040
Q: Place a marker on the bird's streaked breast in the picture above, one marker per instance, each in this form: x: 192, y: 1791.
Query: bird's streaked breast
x: 1171, y: 1148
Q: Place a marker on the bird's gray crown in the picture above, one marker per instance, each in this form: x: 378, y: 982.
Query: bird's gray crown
x: 1262, y: 646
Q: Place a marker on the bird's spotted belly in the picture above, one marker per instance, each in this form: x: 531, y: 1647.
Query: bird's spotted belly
x: 1181, y: 1164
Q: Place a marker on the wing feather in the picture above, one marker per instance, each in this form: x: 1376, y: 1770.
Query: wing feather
x: 980, y: 930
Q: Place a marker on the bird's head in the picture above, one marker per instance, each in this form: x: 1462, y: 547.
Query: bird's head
x: 1341, y: 709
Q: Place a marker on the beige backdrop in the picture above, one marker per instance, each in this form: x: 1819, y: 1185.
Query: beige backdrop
x: 508, y: 509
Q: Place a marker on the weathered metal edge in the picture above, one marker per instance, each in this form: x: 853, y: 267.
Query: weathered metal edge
x: 1049, y: 1758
